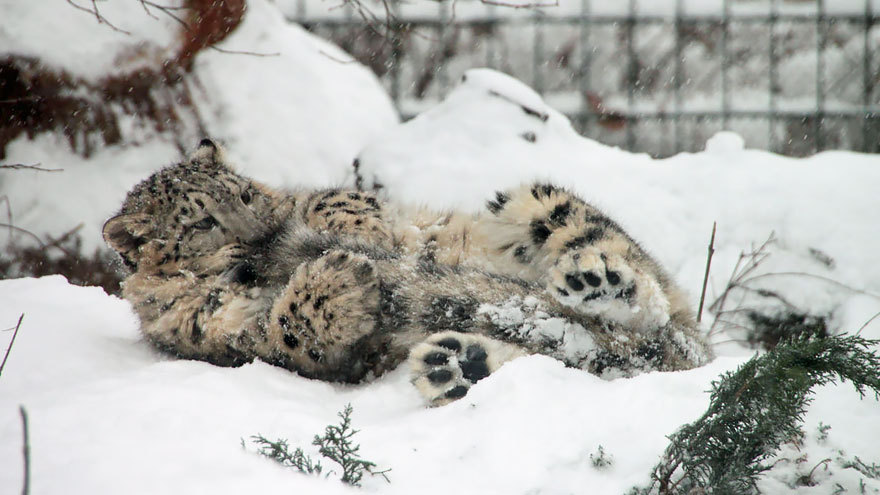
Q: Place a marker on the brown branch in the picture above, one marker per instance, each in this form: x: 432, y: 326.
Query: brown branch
x: 165, y: 9
x: 18, y: 166
x: 24, y: 231
x: 706, y: 275
x: 8, y: 349
x: 101, y: 19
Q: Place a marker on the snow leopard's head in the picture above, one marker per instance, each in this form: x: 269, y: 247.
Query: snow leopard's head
x: 191, y: 210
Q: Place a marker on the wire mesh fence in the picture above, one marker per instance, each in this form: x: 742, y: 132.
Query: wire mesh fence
x: 655, y: 76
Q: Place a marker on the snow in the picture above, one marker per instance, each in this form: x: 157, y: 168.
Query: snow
x: 458, y: 153
x: 268, y: 111
x: 109, y: 415
x: 45, y: 29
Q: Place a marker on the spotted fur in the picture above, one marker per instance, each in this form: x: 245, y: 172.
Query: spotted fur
x: 338, y: 285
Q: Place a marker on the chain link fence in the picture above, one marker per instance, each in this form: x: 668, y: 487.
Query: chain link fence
x: 657, y: 76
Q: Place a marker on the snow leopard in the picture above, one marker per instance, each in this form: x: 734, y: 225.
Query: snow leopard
x: 341, y: 285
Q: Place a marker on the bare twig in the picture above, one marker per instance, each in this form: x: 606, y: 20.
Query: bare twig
x: 237, y: 52
x: 24, y: 231
x: 5, y: 199
x: 520, y: 6
x: 8, y: 349
x: 165, y: 9
x: 745, y: 266
x: 331, y: 57
x: 18, y: 166
x: 706, y: 275
x: 868, y: 322
x: 26, y: 451
x: 817, y: 277
x: 56, y: 243
x: 101, y: 19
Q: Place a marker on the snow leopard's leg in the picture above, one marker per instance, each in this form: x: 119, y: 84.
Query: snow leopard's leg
x: 208, y: 318
x: 445, y: 365
x: 321, y: 321
x: 583, y: 258
x: 350, y: 213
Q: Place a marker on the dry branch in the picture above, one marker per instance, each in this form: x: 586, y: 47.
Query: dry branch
x: 9, y: 349
x: 101, y: 19
x: 18, y: 166
x: 26, y: 451
x: 706, y: 275
x: 520, y: 6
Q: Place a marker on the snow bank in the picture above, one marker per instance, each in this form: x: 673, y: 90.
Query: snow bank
x: 71, y: 39
x: 493, y: 132
x: 296, y: 114
x: 108, y: 415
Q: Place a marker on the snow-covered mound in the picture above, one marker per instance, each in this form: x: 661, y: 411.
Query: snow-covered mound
x: 107, y: 415
x: 293, y: 110
x: 493, y: 132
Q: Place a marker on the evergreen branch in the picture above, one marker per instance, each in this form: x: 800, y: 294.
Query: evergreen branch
x: 278, y: 452
x: 336, y: 444
x: 757, y: 408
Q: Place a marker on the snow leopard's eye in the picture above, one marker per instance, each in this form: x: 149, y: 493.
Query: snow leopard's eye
x: 246, y: 197
x: 205, y: 223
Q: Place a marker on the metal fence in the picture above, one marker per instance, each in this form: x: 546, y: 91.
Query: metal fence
x: 656, y: 76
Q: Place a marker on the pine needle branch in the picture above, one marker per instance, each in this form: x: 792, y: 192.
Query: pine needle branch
x: 757, y: 408
x: 336, y: 444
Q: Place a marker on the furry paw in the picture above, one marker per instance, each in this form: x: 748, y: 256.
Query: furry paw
x: 604, y: 284
x: 349, y: 213
x: 446, y: 364
x: 328, y: 305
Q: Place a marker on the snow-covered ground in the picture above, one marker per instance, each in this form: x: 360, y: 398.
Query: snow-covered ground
x: 109, y: 415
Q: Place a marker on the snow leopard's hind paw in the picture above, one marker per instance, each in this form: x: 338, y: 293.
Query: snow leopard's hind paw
x: 598, y: 282
x: 447, y: 364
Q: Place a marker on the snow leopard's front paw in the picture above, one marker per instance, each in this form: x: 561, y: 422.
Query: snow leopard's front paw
x: 327, y: 307
x: 603, y: 284
x: 447, y: 364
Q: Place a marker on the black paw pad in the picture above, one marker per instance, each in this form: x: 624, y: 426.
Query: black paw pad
x: 456, y: 392
x: 475, y: 352
x: 612, y: 277
x: 436, y: 359
x: 440, y: 376
x: 474, y: 371
x: 450, y: 343
x: 574, y: 282
x: 592, y: 279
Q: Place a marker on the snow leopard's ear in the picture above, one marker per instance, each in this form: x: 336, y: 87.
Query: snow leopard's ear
x: 126, y: 232
x: 209, y: 154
